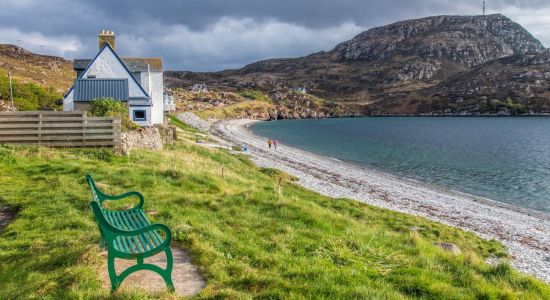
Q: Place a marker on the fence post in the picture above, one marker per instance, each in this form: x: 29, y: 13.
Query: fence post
x: 39, y: 129
x: 117, y: 135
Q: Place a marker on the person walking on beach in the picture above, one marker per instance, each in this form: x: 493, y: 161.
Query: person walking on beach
x: 269, y: 142
x: 275, y: 144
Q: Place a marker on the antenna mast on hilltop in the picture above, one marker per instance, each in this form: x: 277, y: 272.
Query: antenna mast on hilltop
x: 483, y: 8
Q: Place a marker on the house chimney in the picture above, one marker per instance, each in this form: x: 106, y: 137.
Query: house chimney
x: 106, y: 36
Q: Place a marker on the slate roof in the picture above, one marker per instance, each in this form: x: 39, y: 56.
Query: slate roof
x: 139, y: 101
x: 134, y: 64
x: 87, y: 89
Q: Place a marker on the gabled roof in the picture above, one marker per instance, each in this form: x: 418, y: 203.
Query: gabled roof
x: 139, y: 64
x: 134, y: 64
x: 87, y: 89
x: 107, y: 46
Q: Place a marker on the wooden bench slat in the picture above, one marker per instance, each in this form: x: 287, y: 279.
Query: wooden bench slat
x: 149, y: 240
x: 121, y: 221
x: 147, y: 235
x: 119, y: 245
x: 126, y: 225
x: 129, y: 217
x: 124, y: 244
x: 132, y: 240
x: 157, y: 238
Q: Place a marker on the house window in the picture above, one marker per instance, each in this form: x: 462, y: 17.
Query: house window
x: 139, y: 115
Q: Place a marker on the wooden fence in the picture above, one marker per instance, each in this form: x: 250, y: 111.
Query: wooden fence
x: 59, y: 129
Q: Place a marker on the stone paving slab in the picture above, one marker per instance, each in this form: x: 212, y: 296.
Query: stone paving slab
x: 185, y: 275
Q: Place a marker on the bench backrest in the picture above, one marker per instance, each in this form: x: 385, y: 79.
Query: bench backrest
x: 97, y: 208
x: 97, y: 195
x: 99, y: 215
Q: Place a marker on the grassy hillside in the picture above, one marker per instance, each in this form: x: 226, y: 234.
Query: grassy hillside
x: 44, y: 70
x: 250, y: 239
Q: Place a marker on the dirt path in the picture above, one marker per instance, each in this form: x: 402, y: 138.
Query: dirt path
x: 6, y: 216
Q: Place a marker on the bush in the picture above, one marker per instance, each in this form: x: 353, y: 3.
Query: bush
x: 254, y: 95
x: 109, y: 107
x: 29, y: 96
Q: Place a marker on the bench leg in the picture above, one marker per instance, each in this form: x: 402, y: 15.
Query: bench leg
x: 166, y: 274
x: 112, y: 272
x: 169, y: 266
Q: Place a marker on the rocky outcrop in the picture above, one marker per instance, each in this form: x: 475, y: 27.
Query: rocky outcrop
x: 418, y: 70
x: 282, y: 112
x: 194, y: 121
x: 468, y: 40
x: 519, y: 84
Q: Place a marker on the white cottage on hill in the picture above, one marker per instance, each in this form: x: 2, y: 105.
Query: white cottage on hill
x: 136, y: 81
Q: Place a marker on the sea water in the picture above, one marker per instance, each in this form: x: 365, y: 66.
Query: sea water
x: 505, y: 159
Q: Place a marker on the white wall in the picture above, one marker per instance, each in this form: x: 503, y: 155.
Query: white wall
x: 68, y: 103
x: 156, y: 93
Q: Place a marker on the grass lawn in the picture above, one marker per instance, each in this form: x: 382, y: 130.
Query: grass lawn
x: 250, y: 239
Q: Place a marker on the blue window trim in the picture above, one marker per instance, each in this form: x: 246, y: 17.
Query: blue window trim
x: 139, y: 119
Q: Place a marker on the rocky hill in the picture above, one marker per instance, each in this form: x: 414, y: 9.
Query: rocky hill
x: 518, y: 84
x: 28, y: 67
x: 376, y: 70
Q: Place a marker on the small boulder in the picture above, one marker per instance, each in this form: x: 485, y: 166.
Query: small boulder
x: 449, y: 247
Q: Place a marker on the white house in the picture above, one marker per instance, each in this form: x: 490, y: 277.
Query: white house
x: 136, y: 81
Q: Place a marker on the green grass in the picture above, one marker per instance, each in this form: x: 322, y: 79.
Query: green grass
x: 254, y: 95
x: 250, y: 239
x: 234, y: 111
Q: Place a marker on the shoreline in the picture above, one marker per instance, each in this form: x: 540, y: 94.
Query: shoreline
x: 525, y: 232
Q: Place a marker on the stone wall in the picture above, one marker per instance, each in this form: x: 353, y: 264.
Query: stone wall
x: 151, y: 138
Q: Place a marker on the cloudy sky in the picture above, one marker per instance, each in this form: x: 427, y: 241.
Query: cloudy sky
x: 209, y: 35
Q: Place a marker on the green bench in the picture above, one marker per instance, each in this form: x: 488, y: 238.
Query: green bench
x: 129, y: 235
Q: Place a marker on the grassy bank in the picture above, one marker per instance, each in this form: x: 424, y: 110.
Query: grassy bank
x: 238, y: 110
x: 250, y: 238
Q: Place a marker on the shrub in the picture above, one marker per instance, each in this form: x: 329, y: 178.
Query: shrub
x: 254, y: 95
x: 29, y: 96
x: 109, y: 107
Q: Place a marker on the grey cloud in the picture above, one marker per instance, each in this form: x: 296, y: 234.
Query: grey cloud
x: 191, y: 34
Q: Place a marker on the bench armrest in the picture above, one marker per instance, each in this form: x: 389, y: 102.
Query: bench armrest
x: 126, y: 195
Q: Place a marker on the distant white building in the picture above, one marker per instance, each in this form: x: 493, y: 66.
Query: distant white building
x: 136, y: 81
x: 299, y: 89
x: 169, y: 104
x: 200, y: 88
